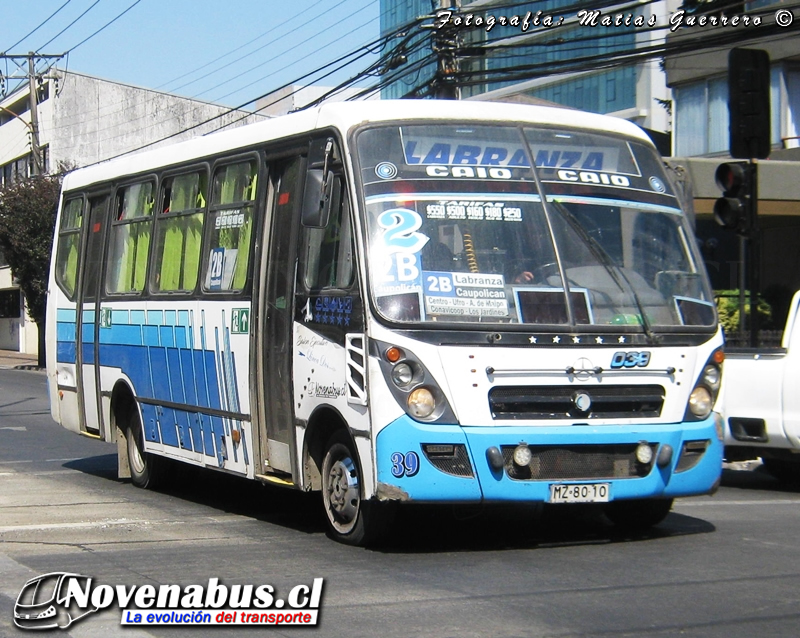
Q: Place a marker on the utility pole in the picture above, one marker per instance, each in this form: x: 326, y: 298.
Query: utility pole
x: 446, y: 45
x: 26, y: 71
x: 37, y: 168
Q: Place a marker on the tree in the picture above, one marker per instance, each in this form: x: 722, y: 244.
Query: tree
x: 27, y: 220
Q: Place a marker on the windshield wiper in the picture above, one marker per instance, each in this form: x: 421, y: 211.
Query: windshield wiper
x: 616, y: 273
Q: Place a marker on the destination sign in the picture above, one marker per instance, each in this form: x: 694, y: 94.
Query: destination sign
x: 441, y: 151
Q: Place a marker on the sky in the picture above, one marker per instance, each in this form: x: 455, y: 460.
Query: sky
x: 223, y: 51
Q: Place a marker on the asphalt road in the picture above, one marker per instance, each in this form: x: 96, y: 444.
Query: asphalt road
x: 725, y: 565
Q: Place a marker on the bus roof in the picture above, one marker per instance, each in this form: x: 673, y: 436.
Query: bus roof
x: 344, y: 115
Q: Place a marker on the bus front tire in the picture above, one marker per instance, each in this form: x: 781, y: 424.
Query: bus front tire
x: 638, y: 514
x: 351, y: 519
x: 146, y: 469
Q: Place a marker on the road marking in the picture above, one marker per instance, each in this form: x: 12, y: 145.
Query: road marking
x: 16, y: 428
x: 783, y: 501
x: 83, y: 525
x: 78, y: 458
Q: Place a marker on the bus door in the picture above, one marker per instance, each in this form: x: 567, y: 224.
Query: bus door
x: 277, y: 313
x: 88, y: 319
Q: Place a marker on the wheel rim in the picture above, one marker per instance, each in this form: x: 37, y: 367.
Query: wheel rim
x: 342, y: 493
x: 135, y: 458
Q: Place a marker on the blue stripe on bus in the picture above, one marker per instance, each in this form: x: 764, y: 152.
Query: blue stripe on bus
x: 154, y: 350
x: 65, y: 331
x: 66, y: 314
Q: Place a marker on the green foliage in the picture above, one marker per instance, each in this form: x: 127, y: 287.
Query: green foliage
x: 728, y: 309
x: 27, y: 219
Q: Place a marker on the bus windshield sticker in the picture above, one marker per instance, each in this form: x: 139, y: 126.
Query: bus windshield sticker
x: 398, y: 248
x: 460, y: 293
x: 473, y: 210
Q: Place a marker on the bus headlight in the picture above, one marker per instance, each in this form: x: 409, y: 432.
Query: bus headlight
x: 402, y: 374
x: 712, y: 377
x: 421, y: 403
x: 707, y: 386
x: 700, y: 402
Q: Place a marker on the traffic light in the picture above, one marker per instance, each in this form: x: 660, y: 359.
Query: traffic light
x: 749, y: 103
x: 736, y: 210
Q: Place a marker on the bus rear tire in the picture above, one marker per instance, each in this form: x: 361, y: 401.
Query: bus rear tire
x: 351, y: 520
x: 638, y: 515
x: 147, y: 470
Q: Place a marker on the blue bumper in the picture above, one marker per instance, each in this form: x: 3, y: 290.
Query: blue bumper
x: 406, y: 460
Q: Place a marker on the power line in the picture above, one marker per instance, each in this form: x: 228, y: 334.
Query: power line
x: 239, y: 59
x: 69, y: 25
x: 41, y: 24
x: 107, y: 24
x: 239, y: 108
x: 257, y: 66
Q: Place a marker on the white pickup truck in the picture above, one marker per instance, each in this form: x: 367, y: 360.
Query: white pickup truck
x: 761, y: 402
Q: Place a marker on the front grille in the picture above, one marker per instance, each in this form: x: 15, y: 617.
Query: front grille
x: 571, y: 402
x: 449, y: 458
x: 578, y: 462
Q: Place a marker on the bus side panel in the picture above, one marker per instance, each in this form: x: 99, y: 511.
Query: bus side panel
x: 321, y: 380
x: 173, y: 355
x: 61, y: 357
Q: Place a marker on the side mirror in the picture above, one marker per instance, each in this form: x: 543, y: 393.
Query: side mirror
x: 317, y: 198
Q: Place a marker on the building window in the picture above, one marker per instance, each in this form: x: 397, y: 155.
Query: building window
x: 10, y: 304
x: 702, y: 116
x: 16, y: 170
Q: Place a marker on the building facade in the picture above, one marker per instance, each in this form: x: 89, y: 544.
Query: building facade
x: 572, y: 48
x: 83, y: 120
x: 698, y: 78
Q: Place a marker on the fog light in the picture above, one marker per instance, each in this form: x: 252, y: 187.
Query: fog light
x: 644, y: 453
x: 421, y: 403
x: 522, y: 455
x: 700, y: 402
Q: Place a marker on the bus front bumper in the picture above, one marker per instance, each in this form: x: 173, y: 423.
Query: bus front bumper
x: 449, y: 463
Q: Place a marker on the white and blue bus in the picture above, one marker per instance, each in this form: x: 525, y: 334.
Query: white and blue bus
x: 394, y: 302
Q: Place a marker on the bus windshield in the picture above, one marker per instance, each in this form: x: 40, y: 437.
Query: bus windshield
x: 518, y: 225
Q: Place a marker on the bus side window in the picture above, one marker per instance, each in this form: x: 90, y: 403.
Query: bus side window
x: 179, y: 232
x: 230, y: 222
x: 131, y: 229
x: 69, y: 246
x: 328, y: 251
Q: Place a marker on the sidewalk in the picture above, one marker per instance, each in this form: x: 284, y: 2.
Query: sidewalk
x: 9, y: 359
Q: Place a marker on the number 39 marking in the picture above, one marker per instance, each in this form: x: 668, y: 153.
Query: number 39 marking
x: 405, y: 464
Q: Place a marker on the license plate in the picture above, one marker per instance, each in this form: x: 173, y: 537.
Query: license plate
x: 579, y: 493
